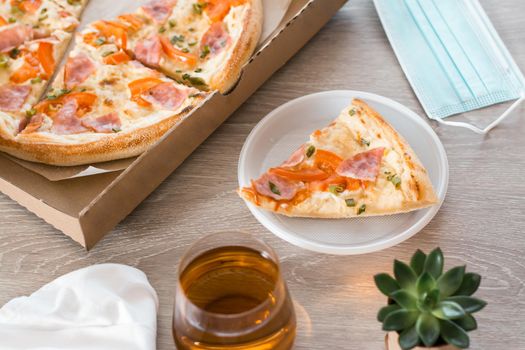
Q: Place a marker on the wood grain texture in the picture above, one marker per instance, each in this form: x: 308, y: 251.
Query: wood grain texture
x: 480, y: 224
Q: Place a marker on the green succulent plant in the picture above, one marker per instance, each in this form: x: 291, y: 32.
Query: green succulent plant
x: 426, y: 306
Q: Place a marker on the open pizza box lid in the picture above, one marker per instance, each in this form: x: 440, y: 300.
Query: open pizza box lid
x: 86, y: 202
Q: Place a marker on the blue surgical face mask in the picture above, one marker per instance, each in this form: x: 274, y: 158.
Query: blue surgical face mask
x: 452, y: 56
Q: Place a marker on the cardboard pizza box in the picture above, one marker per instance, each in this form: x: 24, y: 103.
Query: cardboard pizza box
x: 87, y: 207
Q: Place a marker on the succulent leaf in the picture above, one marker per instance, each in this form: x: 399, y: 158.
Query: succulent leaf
x: 427, y: 327
x: 453, y: 334
x: 386, y: 284
x: 405, y: 276
x: 425, y: 283
x: 434, y: 263
x: 405, y: 299
x: 470, y: 284
x: 386, y: 310
x: 450, y: 282
x: 399, y: 320
x: 469, y: 304
x: 409, y: 338
x: 448, y: 310
x: 467, y: 322
x: 430, y: 299
x: 417, y: 263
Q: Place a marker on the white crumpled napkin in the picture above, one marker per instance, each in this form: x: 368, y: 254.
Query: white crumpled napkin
x: 105, y: 306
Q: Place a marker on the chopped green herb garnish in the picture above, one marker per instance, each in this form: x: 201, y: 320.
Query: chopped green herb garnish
x: 44, y: 10
x: 73, y: 2
x: 14, y: 53
x: 205, y: 51
x: 193, y: 80
x: 198, y: 7
x: 185, y: 50
x: 4, y: 61
x: 350, y: 202
x: 36, y: 80
x: 395, y: 180
x: 274, y: 188
x: 162, y: 29
x: 351, y: 112
x: 57, y: 94
x: 362, y: 209
x: 198, y: 70
x: 310, y: 151
x: 42, y: 18
x: 11, y: 20
x: 30, y: 112
x: 107, y: 53
x: 116, y: 129
x: 176, y: 39
x: 172, y: 23
x: 100, y: 41
x: 192, y: 44
x: 191, y: 30
x: 335, y: 189
x: 365, y: 142
x: 15, y: 10
x: 178, y: 71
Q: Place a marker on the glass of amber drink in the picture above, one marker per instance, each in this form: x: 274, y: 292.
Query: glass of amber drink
x: 230, y: 294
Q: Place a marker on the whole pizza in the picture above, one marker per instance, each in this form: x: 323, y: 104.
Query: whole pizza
x: 125, y: 83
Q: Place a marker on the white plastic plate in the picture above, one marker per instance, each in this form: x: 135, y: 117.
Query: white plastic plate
x: 282, y: 131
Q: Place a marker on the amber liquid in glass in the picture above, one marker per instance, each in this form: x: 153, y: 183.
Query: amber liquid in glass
x: 237, y: 300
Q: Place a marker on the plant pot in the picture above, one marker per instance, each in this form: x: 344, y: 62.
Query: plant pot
x: 391, y: 341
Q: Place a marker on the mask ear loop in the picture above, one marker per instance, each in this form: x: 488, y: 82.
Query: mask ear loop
x: 491, y: 125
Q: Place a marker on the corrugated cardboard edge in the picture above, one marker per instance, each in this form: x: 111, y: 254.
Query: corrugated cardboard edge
x: 55, y: 173
x: 135, y: 183
x: 61, y: 221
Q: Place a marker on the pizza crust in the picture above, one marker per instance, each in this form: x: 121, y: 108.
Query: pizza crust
x: 108, y: 147
x: 228, y: 77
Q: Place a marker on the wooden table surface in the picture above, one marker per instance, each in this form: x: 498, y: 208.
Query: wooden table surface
x: 481, y: 222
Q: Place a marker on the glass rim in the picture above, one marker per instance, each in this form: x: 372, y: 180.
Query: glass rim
x: 279, y: 283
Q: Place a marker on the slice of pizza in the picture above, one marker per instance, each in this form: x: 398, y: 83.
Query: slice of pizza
x: 25, y: 71
x: 98, y: 111
x: 357, y: 166
x: 203, y: 43
x: 34, y: 36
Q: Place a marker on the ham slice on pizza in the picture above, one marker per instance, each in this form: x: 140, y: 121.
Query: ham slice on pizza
x: 357, y: 166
